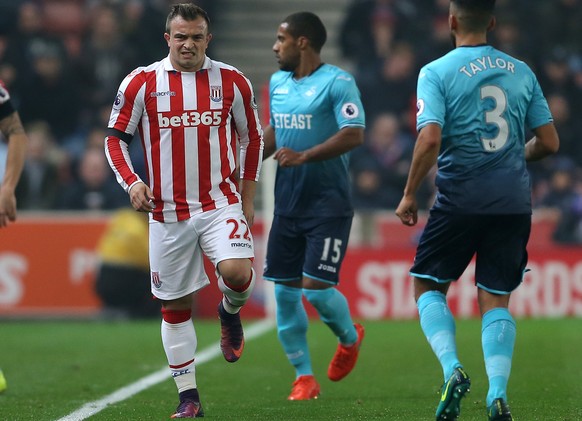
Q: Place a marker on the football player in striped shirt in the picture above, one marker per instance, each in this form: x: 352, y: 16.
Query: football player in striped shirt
x: 474, y: 105
x: 13, y: 133
x: 316, y: 119
x: 197, y: 120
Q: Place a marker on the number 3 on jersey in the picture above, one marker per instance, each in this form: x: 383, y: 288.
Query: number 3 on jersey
x: 495, y: 116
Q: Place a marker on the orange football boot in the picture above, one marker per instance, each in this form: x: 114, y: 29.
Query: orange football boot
x: 345, y: 357
x: 304, y: 388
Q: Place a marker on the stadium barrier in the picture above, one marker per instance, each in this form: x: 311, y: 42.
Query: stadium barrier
x: 48, y: 261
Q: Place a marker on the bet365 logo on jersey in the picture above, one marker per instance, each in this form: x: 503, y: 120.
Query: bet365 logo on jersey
x: 189, y: 119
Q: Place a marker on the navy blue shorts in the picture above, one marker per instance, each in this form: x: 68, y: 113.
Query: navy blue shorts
x: 311, y: 247
x: 449, y: 242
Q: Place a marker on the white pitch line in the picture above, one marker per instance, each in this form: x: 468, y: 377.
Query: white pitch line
x: 91, y: 408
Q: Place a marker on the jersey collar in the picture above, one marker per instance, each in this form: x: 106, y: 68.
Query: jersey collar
x: 169, y: 68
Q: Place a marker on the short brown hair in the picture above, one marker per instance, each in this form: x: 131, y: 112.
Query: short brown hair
x: 188, y: 11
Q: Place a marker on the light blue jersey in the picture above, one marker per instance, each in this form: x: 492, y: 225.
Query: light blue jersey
x: 483, y: 99
x: 305, y: 113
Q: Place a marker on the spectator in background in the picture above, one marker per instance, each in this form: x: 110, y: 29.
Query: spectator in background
x: 139, y: 14
x: 438, y: 41
x: 562, y: 187
x: 40, y: 181
x: 392, y: 87
x: 556, y: 75
x: 369, y: 30
x: 50, y: 94
x: 94, y: 188
x: 379, y: 167
x: 8, y: 17
x: 569, y: 223
x: 563, y: 200
x: 105, y: 57
x: 123, y: 272
x: 559, y: 22
x: 509, y: 38
x: 24, y: 44
x: 568, y: 125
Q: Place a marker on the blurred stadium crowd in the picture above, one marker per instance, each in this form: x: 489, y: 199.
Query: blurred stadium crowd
x: 387, y: 41
x: 63, y: 60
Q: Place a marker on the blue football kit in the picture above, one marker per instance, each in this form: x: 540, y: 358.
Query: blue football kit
x: 481, y: 98
x: 313, y: 208
x: 484, y: 101
x: 312, y: 200
x: 305, y: 113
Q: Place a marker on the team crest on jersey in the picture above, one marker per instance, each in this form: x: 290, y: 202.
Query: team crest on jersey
x: 311, y: 91
x: 119, y: 101
x: 156, y: 280
x: 216, y: 93
x: 350, y: 110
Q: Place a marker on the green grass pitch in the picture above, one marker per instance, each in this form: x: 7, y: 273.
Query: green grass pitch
x: 54, y: 368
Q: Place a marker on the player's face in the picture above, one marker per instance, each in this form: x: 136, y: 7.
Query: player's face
x: 188, y: 41
x: 286, y: 50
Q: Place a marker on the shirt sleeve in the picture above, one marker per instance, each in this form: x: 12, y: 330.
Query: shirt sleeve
x: 347, y: 103
x: 430, y: 104
x: 125, y: 115
x: 248, y: 127
x: 538, y: 113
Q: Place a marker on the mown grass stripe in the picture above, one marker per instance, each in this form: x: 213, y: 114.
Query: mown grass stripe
x: 207, y: 354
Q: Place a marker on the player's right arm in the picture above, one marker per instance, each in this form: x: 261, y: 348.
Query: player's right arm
x: 125, y: 115
x: 544, y: 143
x: 269, y: 140
x: 424, y: 157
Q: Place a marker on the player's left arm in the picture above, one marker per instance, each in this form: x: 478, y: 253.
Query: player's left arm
x: 11, y: 128
x: 539, y: 118
x: 545, y: 142
x: 343, y: 141
x: 248, y: 191
x: 248, y: 126
x: 349, y: 114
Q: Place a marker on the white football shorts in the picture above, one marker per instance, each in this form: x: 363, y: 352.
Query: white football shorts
x: 176, y: 249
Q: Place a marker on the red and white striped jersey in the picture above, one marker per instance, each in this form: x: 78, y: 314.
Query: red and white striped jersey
x: 191, y: 126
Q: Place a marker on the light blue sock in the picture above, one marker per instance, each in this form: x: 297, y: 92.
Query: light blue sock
x: 438, y: 325
x: 334, y: 311
x: 498, y: 339
x: 292, y: 325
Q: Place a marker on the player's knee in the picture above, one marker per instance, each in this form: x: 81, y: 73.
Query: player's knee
x: 287, y: 295
x: 320, y: 299
x: 235, y: 272
x: 292, y: 329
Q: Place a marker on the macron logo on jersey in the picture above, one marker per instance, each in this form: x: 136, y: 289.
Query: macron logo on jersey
x: 170, y: 119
